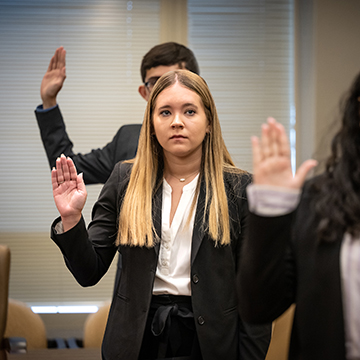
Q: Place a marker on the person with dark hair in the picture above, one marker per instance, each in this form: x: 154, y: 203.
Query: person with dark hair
x: 167, y: 54
x: 303, y: 241
x: 97, y: 165
x: 177, y: 214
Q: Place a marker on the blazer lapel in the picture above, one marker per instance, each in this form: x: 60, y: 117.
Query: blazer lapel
x: 198, y: 231
x: 156, y: 215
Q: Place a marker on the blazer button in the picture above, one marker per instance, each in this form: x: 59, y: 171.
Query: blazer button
x: 201, y: 320
x: 195, y: 279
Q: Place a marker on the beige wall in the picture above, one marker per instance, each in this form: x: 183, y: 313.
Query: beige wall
x: 328, y: 58
x: 173, y: 21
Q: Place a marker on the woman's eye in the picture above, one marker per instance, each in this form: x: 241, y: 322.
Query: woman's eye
x: 190, y: 112
x: 165, y: 113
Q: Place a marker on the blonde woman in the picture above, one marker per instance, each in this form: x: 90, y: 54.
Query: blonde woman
x: 176, y: 213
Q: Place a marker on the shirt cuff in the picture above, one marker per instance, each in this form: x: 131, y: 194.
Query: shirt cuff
x: 59, y: 228
x: 40, y: 108
x: 265, y: 200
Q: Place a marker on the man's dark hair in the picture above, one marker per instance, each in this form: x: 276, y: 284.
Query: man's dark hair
x: 168, y: 54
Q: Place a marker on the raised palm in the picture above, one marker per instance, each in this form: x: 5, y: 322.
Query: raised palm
x: 54, y: 78
x: 271, y: 159
x: 68, y: 190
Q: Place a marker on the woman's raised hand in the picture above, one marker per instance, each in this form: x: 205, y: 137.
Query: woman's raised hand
x: 69, y: 191
x: 271, y: 158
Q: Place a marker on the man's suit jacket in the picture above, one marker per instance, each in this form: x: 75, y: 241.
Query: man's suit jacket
x: 285, y: 264
x: 96, y: 165
x: 221, y: 333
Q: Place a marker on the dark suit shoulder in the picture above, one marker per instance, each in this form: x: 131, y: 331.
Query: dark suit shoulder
x: 124, y: 144
x: 130, y: 127
x: 120, y: 175
x: 128, y: 130
x: 236, y: 182
x: 124, y: 168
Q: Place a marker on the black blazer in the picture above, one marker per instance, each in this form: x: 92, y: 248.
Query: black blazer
x: 221, y: 333
x: 285, y: 264
x: 96, y: 165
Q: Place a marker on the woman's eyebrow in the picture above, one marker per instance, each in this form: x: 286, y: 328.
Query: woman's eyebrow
x: 189, y: 104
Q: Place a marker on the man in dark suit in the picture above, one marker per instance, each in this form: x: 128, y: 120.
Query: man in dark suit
x: 98, y: 164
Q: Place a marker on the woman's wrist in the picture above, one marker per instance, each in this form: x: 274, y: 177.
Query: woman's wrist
x: 70, y: 221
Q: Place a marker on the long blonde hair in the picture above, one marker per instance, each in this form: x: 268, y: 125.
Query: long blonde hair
x: 136, y: 225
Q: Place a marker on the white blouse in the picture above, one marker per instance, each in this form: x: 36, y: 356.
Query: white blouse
x: 173, y: 268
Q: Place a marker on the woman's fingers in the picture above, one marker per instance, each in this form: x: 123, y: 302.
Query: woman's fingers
x: 282, y: 140
x: 273, y: 137
x: 270, y: 138
x: 80, y: 183
x: 271, y: 161
x: 271, y: 158
x: 54, y: 180
x: 65, y: 170
x: 72, y: 169
x: 276, y: 139
x: 265, y: 141
x: 59, y: 171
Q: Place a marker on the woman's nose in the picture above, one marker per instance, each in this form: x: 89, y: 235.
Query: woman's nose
x: 177, y: 122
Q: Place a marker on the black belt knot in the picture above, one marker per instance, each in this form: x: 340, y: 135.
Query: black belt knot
x: 165, y: 324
